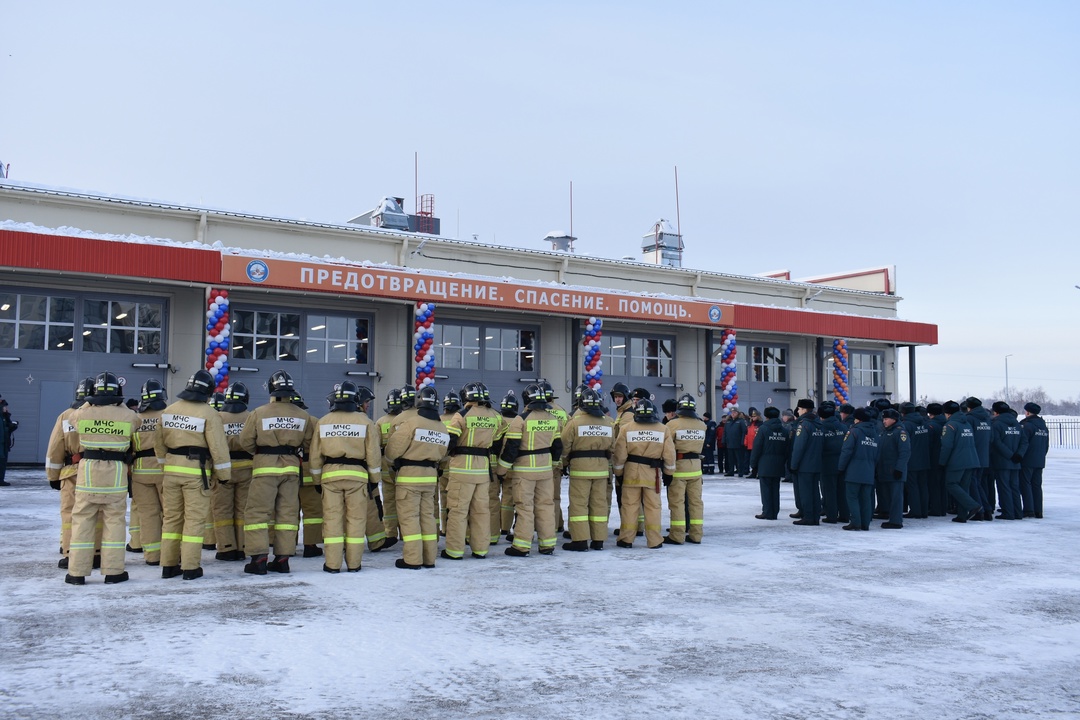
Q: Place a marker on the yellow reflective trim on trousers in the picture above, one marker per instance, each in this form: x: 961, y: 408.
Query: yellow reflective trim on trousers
x: 598, y: 518
x: 171, y: 536
x: 579, y: 518
x: 224, y: 523
x: 376, y: 537
x: 696, y: 522
x: 424, y: 480
x: 284, y: 526
x: 313, y: 521
x: 678, y: 523
x: 521, y: 544
x: 429, y: 538
x: 112, y: 545
x: 81, y: 546
x: 192, y: 539
x: 294, y: 470
x: 181, y: 470
x: 362, y: 475
x: 333, y: 540
x: 547, y: 542
x: 354, y: 541
x: 257, y: 526
x: 686, y: 474
x: 589, y: 474
x: 411, y: 538
x: 151, y: 547
x: 455, y: 553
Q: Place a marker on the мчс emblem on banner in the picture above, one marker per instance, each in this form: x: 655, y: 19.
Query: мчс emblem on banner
x: 257, y: 271
x: 714, y: 313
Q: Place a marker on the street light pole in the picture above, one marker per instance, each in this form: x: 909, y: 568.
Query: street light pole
x: 1007, y: 398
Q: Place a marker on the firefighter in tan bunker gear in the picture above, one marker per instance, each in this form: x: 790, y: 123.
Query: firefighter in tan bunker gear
x: 557, y: 467
x: 587, y: 442
x: 476, y: 429
x: 501, y: 497
x: 62, y: 469
x: 311, y: 517
x: 451, y: 406
x: 416, y: 446
x: 106, y: 430
x: 531, y: 443
x: 230, y: 498
x: 687, y: 432
x: 345, y: 461
x: 276, y: 434
x: 386, y: 510
x: 147, y: 479
x: 643, y: 453
x: 190, y: 443
x: 624, y: 415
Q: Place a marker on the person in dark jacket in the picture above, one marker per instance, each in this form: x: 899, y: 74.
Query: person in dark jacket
x: 831, y: 490
x: 857, y: 464
x: 983, y: 479
x: 806, y: 449
x: 1034, y: 460
x: 768, y: 462
x: 847, y: 415
x: 7, y: 429
x: 734, y: 435
x: 937, y: 498
x: 917, y: 485
x: 960, y: 459
x: 895, y: 453
x: 1007, y: 447
x: 708, y: 451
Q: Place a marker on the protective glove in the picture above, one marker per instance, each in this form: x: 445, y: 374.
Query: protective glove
x: 54, y: 484
x: 1017, y: 457
x: 667, y: 479
x: 371, y: 488
x: 898, y: 474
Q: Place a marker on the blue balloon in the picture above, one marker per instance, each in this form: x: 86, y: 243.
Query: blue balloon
x: 209, y: 351
x: 599, y: 373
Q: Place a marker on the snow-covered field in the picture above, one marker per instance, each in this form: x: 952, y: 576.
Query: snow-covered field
x: 763, y: 620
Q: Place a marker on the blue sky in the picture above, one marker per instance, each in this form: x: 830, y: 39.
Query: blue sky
x: 818, y: 137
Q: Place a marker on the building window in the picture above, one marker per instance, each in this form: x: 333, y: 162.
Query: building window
x: 767, y: 364
x: 866, y: 369
x: 650, y: 357
x: 121, y: 326
x: 613, y: 354
x: 509, y: 349
x: 336, y: 339
x: 259, y: 335
x: 37, y: 322
x: 456, y: 346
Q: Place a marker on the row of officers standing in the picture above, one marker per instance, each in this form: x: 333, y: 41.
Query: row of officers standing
x: 902, y: 462
x: 212, y: 473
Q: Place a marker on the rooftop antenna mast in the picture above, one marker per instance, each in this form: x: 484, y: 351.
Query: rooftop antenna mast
x: 678, y: 216
x: 571, y: 209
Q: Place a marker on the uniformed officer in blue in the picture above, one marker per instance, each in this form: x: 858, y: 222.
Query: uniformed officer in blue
x: 1007, y: 447
x: 917, y: 484
x: 895, y: 452
x: 807, y: 445
x: 1034, y: 460
x: 858, y: 464
x: 960, y: 460
x: 831, y: 489
x: 768, y: 461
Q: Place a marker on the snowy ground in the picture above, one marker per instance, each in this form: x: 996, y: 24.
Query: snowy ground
x: 764, y: 620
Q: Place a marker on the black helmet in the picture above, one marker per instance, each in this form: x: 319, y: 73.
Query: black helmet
x: 198, y: 388
x: 281, y: 385
x: 474, y: 392
x: 363, y: 395
x: 393, y: 401
x: 345, y: 392
x: 408, y: 397
x: 591, y: 402
x: 546, y: 389
x: 427, y: 398
x: 532, y: 394
x: 687, y: 406
x: 217, y: 400
x: 84, y: 389
x: 509, y: 405
x: 451, y: 403
x: 487, y: 395
x: 298, y: 401
x: 237, y: 392
x: 152, y: 390
x: 620, y: 389
x: 645, y: 411
x: 107, y: 390
x: 578, y: 392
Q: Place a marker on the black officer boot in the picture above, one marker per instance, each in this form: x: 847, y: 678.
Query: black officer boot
x: 257, y: 566
x: 62, y: 564
x: 171, y: 571
x: 193, y: 574
x: 596, y: 545
x: 113, y: 579
x: 73, y: 580
x: 312, y: 551
x: 400, y: 563
x: 515, y: 552
x: 576, y: 546
x: 333, y: 571
x: 279, y: 565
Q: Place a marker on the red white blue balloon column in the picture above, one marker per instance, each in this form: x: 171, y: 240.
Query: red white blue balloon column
x: 840, y: 371
x: 217, y: 337
x: 423, y: 354
x: 593, y: 364
x: 728, y: 387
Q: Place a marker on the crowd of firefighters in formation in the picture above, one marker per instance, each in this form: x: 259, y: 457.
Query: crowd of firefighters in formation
x: 208, y: 472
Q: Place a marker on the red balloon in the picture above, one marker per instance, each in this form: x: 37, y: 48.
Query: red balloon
x: 223, y: 293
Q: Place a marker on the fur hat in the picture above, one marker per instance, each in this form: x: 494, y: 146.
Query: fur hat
x: 805, y: 403
x: 890, y: 414
x: 772, y: 412
x: 934, y: 409
x: 847, y: 408
x: 1000, y: 407
x: 826, y: 409
x: 863, y: 414
x: 973, y: 402
x: 907, y: 407
x: 951, y: 407
x: 1033, y: 408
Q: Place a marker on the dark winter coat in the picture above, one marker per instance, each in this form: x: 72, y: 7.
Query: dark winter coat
x: 834, y: 431
x: 734, y: 433
x: 919, y: 431
x: 958, y: 444
x: 807, y: 444
x: 979, y: 418
x: 937, y: 424
x: 771, y: 450
x: 895, y: 453
x: 1008, y: 440
x: 1038, y: 438
x: 859, y: 454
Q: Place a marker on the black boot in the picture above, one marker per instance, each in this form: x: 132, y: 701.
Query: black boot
x: 171, y: 571
x: 227, y: 555
x: 447, y: 556
x: 257, y: 566
x: 62, y: 564
x: 113, y: 579
x: 547, y: 551
x: 333, y: 571
x: 312, y: 551
x: 133, y: 550
x: 576, y: 546
x: 620, y: 543
x: 400, y: 563
x: 514, y: 552
x: 596, y: 545
x: 567, y: 535
x: 279, y: 565
x: 209, y: 546
x: 73, y: 580
x: 193, y: 574
x: 669, y: 541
